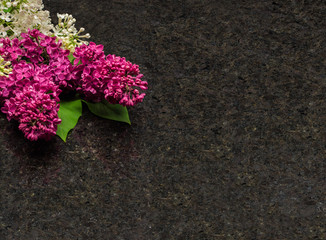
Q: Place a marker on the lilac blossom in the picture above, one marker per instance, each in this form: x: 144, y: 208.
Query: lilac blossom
x: 108, y: 77
x: 35, y: 110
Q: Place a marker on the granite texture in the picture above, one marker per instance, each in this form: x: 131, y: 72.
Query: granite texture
x: 229, y: 143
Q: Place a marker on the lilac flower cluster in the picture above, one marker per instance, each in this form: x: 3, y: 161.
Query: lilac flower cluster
x: 108, y: 77
x: 35, y: 110
x: 41, y: 71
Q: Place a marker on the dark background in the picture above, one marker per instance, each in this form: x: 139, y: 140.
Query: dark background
x: 229, y: 142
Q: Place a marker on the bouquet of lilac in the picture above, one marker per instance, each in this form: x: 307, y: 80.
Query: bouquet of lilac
x: 45, y: 77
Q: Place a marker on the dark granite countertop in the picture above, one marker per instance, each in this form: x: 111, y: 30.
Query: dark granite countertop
x: 229, y: 143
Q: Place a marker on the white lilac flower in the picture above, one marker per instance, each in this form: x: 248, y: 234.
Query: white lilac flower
x: 17, y: 16
x: 6, y: 17
x: 5, y: 67
x: 3, y: 31
x: 67, y: 32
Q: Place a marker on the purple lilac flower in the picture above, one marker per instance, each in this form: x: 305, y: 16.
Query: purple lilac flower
x: 89, y: 53
x: 35, y: 110
x: 30, y: 93
x: 40, y: 48
x: 111, y: 77
x: 9, y: 49
x: 124, y: 81
x: 27, y: 74
x: 32, y: 100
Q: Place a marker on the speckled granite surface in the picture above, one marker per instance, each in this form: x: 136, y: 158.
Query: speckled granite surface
x: 229, y: 143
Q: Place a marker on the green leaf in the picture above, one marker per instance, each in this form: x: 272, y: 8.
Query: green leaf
x: 72, y: 59
x: 8, y: 10
x: 106, y: 110
x: 69, y: 113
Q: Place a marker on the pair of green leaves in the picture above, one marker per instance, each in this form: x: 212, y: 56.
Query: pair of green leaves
x: 70, y: 111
